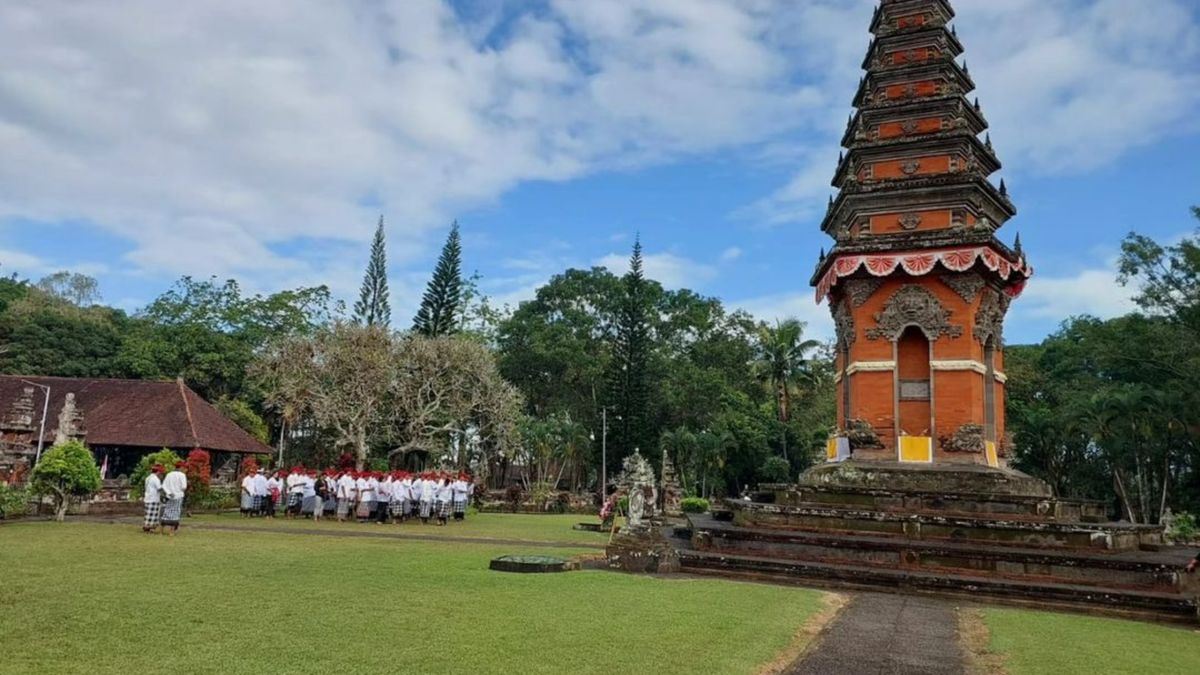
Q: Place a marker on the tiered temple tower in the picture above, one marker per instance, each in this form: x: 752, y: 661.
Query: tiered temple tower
x: 917, y: 281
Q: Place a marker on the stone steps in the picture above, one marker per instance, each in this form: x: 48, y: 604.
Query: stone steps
x: 1132, y: 570
x: 949, y: 503
x: 1123, y: 602
x: 990, y: 530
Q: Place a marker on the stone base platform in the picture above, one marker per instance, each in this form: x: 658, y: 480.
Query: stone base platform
x: 952, y: 530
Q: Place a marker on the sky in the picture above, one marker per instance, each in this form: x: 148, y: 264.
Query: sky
x: 261, y: 141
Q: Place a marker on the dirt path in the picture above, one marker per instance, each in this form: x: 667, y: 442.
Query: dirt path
x: 886, y: 634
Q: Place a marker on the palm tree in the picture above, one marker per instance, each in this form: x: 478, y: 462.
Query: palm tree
x: 783, y: 360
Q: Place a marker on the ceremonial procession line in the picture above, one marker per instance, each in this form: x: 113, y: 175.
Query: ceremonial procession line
x: 368, y: 496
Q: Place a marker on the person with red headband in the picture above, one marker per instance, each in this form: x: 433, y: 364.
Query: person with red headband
x: 248, y: 495
x: 294, y: 485
x: 308, y: 496
x: 366, y: 498
x: 347, y: 495
x: 175, y: 488
x: 425, y: 496
x: 152, y: 499
x: 331, y: 488
x: 459, y: 490
x: 445, y: 495
x: 383, y: 498
x: 262, y: 492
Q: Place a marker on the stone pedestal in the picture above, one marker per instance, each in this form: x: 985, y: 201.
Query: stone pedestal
x: 643, y: 550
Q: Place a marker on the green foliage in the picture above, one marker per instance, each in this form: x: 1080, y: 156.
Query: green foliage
x: 45, y: 335
x: 14, y: 502
x: 775, y: 470
x: 65, y: 472
x: 440, y: 306
x: 137, y: 481
x: 1183, y: 530
x: 694, y: 505
x: 77, y: 289
x: 244, y: 416
x: 215, y: 499
x: 373, y: 308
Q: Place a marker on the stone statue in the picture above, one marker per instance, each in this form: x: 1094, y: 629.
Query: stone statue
x: 637, y: 508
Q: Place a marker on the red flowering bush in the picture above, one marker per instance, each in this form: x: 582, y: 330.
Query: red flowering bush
x: 249, y: 465
x: 198, y: 469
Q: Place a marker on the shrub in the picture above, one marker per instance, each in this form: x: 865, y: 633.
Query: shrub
x: 215, y: 499
x: 14, y: 502
x: 775, y: 470
x: 694, y: 505
x: 1183, y: 530
x: 249, y: 465
x: 137, y: 481
x: 66, y: 472
x: 198, y: 470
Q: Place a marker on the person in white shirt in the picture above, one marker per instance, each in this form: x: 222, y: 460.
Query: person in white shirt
x: 445, y: 494
x: 346, y: 495
x: 295, y: 491
x: 175, y: 488
x: 262, y: 492
x: 248, y: 495
x: 366, y: 498
x: 152, y: 499
x: 308, y: 485
x: 383, y: 497
x: 459, y: 488
x: 425, y: 494
x: 330, y: 497
x: 402, y: 496
x: 275, y: 488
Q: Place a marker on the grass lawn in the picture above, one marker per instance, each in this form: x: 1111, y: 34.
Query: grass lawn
x: 517, y: 527
x: 100, y: 598
x: 1059, y: 644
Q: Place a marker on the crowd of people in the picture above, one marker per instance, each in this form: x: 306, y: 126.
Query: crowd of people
x: 365, y: 496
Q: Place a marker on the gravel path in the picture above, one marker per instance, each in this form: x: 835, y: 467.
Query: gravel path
x: 889, y: 634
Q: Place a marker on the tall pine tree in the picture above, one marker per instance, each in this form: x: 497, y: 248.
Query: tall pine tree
x: 629, y: 379
x: 440, y: 305
x: 372, y: 308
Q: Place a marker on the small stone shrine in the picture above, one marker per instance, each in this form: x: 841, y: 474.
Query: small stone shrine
x: 641, y: 545
x: 672, y: 493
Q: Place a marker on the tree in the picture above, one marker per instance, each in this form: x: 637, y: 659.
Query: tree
x: 66, y: 472
x: 372, y: 308
x: 628, y: 378
x: 783, y: 360
x: 78, y: 289
x: 449, y: 399
x: 244, y: 416
x: 342, y: 376
x: 440, y: 305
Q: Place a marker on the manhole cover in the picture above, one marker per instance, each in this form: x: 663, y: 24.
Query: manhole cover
x: 531, y: 564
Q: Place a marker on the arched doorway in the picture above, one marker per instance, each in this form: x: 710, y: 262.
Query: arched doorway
x: 914, y: 395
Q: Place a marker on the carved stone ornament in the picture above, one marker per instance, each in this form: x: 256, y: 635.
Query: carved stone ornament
x: 843, y: 324
x: 861, y: 290
x: 910, y: 91
x: 966, y: 285
x: 913, y: 306
x: 910, y: 167
x: 989, y: 320
x: 909, y: 127
x: 910, y: 221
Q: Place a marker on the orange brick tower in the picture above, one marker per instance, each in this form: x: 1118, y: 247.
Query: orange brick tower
x: 917, y: 281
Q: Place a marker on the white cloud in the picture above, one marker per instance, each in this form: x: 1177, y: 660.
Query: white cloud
x: 731, y: 254
x: 232, y: 130
x: 22, y: 263
x: 1093, y: 291
x: 782, y: 306
x: 668, y: 269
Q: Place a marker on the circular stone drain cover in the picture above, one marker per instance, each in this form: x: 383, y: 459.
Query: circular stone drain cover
x: 532, y: 564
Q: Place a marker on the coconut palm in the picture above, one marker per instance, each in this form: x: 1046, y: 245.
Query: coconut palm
x: 783, y: 360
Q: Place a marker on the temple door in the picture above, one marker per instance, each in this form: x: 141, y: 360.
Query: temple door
x: 914, y: 405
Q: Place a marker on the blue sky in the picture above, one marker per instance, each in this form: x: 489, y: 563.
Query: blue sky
x: 261, y: 141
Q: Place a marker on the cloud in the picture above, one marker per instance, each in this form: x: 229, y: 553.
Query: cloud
x: 1095, y: 292
x: 782, y: 306
x: 668, y: 269
x: 22, y: 263
x: 731, y: 254
x: 233, y: 130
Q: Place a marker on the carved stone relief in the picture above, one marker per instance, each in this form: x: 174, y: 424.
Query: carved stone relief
x: 910, y: 221
x: 843, y: 324
x: 989, y: 320
x: 966, y: 285
x: 861, y: 290
x: 910, y: 167
x: 913, y: 306
x: 909, y: 127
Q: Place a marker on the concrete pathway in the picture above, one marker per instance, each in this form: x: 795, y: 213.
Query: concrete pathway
x: 887, y: 634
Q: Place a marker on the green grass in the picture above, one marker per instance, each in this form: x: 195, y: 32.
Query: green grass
x: 517, y: 527
x: 100, y: 598
x: 1059, y: 644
